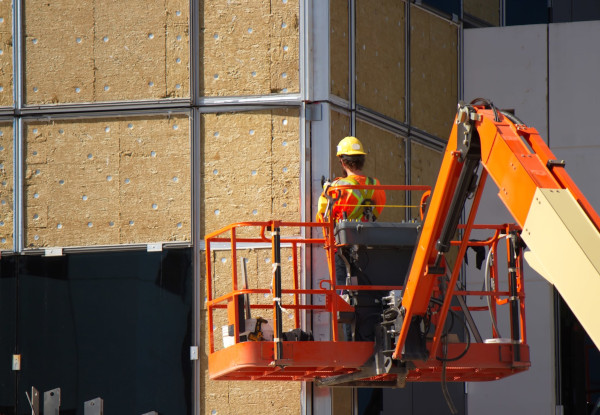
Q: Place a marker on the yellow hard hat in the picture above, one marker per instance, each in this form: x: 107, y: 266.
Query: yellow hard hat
x: 350, y: 146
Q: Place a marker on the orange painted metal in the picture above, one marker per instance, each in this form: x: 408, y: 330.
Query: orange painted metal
x: 307, y: 361
x: 516, y: 170
x: 310, y: 360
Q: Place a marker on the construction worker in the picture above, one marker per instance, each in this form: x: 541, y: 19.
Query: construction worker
x: 353, y: 204
x: 363, y: 205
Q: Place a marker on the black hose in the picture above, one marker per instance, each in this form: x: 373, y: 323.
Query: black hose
x: 445, y: 335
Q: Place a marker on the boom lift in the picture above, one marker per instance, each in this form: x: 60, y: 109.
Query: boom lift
x: 415, y: 336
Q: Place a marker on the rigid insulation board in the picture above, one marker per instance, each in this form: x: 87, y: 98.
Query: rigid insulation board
x: 6, y: 72
x: 486, y: 10
x: 251, y: 172
x: 339, y: 128
x: 259, y: 275
x: 380, y: 57
x: 107, y: 181
x: 90, y: 50
x: 249, y: 47
x: 224, y: 397
x: 425, y: 165
x: 339, y: 44
x: 385, y: 161
x: 251, y: 169
x: 6, y: 186
x: 433, y: 72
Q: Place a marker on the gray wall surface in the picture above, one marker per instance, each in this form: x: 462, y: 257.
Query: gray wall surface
x: 548, y: 75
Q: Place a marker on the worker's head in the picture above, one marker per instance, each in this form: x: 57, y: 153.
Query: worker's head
x: 351, y: 153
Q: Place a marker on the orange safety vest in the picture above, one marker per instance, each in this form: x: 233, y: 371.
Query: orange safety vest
x: 358, y: 204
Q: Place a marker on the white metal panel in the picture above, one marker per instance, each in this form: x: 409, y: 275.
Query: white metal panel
x: 574, y: 91
x: 509, y: 66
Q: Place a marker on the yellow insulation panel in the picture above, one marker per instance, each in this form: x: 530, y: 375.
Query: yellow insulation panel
x: 107, y: 181
x: 433, y: 72
x: 91, y: 51
x: 6, y: 186
x: 251, y: 167
x: 339, y: 46
x: 6, y: 70
x: 486, y: 10
x: 385, y: 161
x: 339, y: 128
x: 425, y: 166
x: 251, y: 172
x: 380, y: 57
x: 249, y: 47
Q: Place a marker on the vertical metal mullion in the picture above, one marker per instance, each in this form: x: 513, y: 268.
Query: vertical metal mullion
x: 17, y: 31
x: 196, y: 196
x: 196, y: 204
x: 18, y: 207
x: 352, y: 64
x: 305, y: 77
x: 194, y: 50
x: 408, y: 149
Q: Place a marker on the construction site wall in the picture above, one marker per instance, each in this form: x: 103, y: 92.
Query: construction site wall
x: 250, y: 172
x: 102, y: 112
x: 397, y: 64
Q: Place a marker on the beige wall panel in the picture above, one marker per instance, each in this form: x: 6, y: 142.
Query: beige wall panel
x: 285, y: 150
x: 340, y: 128
x: 339, y: 48
x: 178, y: 62
x: 342, y: 401
x: 284, y: 48
x: 248, y: 172
x: 178, y: 12
x: 59, y: 48
x: 6, y: 79
x: 6, y: 15
x: 237, y: 397
x: 380, y: 57
x: 178, y: 45
x: 129, y: 50
x: 249, y: 47
x: 433, y: 72
x: 237, y: 168
x: 235, y: 49
x: 85, y: 51
x: 425, y: 166
x: 487, y: 10
x: 6, y: 186
x: 108, y: 181
x: 385, y: 161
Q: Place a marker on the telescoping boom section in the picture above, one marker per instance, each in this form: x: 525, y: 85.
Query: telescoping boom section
x: 404, y: 312
x: 559, y: 226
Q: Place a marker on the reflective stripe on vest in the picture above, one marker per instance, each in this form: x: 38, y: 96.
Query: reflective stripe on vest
x: 361, y: 195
